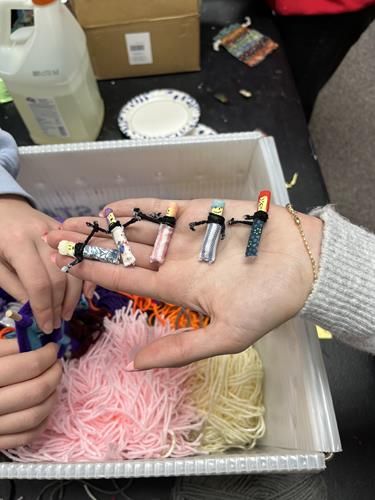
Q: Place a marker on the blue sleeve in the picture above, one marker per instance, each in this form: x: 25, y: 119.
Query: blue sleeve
x: 9, y: 166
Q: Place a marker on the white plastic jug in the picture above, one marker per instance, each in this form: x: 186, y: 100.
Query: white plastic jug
x: 47, y: 70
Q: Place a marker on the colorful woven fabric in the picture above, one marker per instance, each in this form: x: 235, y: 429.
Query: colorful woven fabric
x: 248, y: 45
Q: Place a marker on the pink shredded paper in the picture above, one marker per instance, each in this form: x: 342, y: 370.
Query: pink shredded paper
x: 106, y: 413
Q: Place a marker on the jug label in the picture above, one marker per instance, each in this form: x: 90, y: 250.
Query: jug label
x: 139, y: 48
x: 47, y: 114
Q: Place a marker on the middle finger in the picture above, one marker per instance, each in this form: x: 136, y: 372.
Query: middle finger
x: 24, y: 420
x: 57, y: 280
x: 17, y: 397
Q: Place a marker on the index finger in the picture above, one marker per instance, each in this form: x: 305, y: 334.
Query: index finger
x: 33, y: 275
x: 23, y: 366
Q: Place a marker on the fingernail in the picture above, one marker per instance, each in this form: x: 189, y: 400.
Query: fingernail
x: 101, y: 213
x: 131, y: 368
x: 57, y: 324
x: 44, y: 237
x: 53, y: 257
x: 48, y: 327
x: 67, y: 316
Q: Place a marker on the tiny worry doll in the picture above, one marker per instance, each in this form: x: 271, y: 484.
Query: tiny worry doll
x: 83, y: 251
x: 214, y: 232
x: 118, y: 234
x: 167, y: 224
x: 166, y: 229
x: 256, y: 222
x: 122, y: 254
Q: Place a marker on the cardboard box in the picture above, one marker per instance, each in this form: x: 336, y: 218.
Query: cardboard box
x: 78, y: 179
x: 150, y: 37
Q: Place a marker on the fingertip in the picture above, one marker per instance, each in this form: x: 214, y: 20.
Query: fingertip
x: 55, y: 347
x: 47, y: 327
x: 57, y: 323
x: 67, y: 315
x: 131, y: 368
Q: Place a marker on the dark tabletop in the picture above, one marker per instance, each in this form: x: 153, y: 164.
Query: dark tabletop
x: 275, y: 109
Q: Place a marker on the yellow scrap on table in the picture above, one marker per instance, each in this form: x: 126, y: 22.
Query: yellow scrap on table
x: 245, y: 93
x: 323, y: 334
x: 293, y: 181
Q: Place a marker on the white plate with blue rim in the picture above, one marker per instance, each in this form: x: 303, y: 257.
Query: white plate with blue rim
x: 160, y: 113
x: 202, y: 129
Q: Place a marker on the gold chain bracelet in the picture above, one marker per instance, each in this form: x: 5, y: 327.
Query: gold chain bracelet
x: 297, y: 220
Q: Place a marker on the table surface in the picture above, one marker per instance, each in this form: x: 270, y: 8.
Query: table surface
x: 275, y: 109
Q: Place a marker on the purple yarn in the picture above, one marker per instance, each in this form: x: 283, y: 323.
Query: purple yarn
x: 5, y: 298
x: 30, y: 337
x: 108, y: 300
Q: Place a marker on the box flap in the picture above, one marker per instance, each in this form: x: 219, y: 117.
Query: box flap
x: 95, y: 13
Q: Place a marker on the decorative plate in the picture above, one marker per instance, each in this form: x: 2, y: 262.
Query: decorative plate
x: 159, y: 113
x: 201, y: 129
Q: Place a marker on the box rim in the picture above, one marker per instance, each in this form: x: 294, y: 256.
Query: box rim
x: 264, y: 463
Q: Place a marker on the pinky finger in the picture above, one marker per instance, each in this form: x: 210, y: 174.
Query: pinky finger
x: 8, y: 441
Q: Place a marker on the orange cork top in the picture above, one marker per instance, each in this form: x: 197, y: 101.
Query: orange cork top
x: 264, y: 200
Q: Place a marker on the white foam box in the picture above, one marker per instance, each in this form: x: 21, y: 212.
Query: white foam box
x: 79, y: 179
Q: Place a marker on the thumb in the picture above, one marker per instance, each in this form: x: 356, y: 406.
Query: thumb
x: 186, y: 346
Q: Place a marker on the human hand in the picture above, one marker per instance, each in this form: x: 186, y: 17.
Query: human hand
x: 28, y: 383
x: 26, y: 270
x: 245, y: 298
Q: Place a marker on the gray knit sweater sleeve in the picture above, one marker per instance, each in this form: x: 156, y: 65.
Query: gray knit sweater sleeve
x: 9, y: 166
x: 343, y: 297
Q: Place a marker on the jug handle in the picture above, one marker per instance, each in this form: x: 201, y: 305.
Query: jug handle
x: 6, y: 6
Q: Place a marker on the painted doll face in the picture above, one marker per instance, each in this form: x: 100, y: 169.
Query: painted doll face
x: 111, y: 218
x: 66, y: 248
x: 217, y: 210
x: 217, y: 207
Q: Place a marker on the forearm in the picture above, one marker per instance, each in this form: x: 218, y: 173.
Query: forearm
x: 343, y: 297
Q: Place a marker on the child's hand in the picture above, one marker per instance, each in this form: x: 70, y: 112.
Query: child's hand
x: 26, y: 271
x: 28, y: 384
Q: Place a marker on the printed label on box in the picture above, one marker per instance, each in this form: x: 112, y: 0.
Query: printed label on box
x: 47, y: 114
x: 139, y: 48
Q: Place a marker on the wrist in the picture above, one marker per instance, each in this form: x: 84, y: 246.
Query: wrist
x: 311, y: 239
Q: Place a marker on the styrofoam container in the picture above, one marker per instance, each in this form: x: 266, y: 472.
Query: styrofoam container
x: 79, y: 179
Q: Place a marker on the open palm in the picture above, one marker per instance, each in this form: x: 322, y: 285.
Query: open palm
x: 244, y: 297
